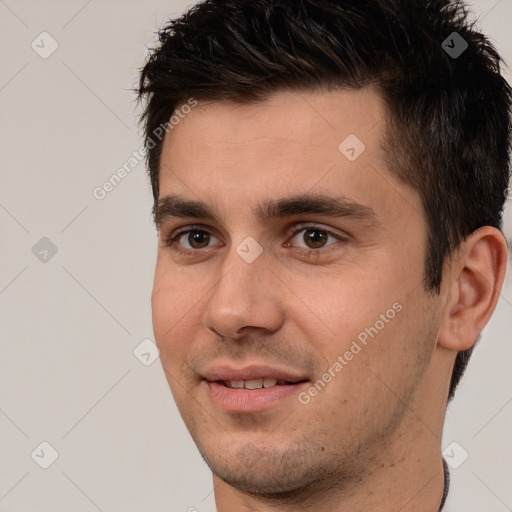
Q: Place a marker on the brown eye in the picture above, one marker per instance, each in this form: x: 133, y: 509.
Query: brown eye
x: 315, y: 238
x: 191, y: 240
x: 198, y: 239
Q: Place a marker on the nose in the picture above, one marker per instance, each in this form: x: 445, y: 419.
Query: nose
x: 245, y: 297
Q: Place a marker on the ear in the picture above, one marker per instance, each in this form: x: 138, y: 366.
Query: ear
x: 475, y: 278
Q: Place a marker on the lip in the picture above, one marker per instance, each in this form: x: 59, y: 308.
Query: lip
x: 255, y: 400
x: 225, y: 372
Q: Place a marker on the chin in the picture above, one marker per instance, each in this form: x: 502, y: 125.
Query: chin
x: 264, y: 484
x: 269, y: 473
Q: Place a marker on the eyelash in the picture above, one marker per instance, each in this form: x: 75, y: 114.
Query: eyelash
x: 308, y: 253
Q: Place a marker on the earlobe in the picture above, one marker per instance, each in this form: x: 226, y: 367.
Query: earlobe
x: 476, y: 279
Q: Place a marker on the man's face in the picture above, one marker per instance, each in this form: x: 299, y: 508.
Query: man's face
x: 259, y: 294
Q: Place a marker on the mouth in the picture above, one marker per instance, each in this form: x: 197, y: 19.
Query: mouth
x: 252, y: 389
x: 267, y: 382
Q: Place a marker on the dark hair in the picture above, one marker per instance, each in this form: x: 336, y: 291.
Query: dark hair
x: 449, y: 125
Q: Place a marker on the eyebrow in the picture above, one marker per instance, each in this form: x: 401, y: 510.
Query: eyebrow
x: 173, y: 206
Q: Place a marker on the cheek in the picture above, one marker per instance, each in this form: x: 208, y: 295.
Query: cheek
x: 372, y: 321
x: 336, y: 309
x: 164, y: 310
x: 173, y: 305
x: 172, y: 312
x: 375, y: 375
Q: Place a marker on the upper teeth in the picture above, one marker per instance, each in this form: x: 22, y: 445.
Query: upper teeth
x: 251, y: 384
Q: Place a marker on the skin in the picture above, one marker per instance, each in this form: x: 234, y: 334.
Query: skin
x: 372, y: 436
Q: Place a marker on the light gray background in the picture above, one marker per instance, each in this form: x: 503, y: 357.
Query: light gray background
x: 69, y: 326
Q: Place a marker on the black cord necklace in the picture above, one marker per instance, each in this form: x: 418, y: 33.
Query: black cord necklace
x: 446, y: 472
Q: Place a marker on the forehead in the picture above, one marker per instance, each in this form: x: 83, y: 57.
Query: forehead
x: 307, y: 118
x: 237, y: 155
